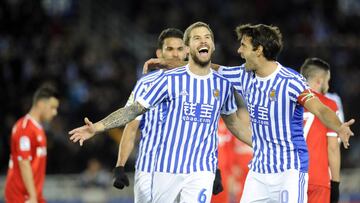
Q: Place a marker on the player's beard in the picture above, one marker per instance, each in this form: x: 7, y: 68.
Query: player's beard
x: 198, y: 61
x: 249, y: 66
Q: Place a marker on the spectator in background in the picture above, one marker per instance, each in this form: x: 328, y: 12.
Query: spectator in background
x: 94, y: 181
x: 27, y: 165
x: 94, y: 175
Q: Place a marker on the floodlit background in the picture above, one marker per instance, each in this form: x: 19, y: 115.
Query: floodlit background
x: 94, y: 51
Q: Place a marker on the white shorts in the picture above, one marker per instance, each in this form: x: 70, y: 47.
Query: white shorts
x: 190, y: 188
x: 285, y: 187
x: 142, y: 187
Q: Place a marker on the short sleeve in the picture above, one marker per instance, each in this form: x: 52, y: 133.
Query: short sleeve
x: 229, y: 106
x: 155, y: 93
x: 237, y: 75
x: 297, y: 86
x: 23, y: 146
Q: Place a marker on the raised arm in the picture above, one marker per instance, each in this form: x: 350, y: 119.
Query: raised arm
x: 117, y: 118
x: 161, y: 63
x: 330, y: 120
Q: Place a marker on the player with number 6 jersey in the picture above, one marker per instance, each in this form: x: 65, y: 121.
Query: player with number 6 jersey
x: 197, y: 95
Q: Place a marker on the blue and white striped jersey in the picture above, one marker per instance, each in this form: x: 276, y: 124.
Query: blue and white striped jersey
x: 150, y: 124
x: 189, y: 135
x: 276, y: 117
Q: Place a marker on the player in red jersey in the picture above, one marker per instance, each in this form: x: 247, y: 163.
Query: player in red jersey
x: 27, y: 164
x: 234, y: 157
x: 225, y: 156
x: 323, y: 145
x: 242, y: 157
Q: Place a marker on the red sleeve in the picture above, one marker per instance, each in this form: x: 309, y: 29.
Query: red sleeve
x: 305, y: 96
x: 23, y: 144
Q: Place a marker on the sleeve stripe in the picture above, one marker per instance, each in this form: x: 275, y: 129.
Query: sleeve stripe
x: 331, y: 134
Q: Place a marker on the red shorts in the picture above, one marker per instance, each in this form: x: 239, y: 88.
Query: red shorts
x: 20, y: 198
x: 317, y: 193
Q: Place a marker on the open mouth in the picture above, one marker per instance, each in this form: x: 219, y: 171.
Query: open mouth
x: 203, y: 51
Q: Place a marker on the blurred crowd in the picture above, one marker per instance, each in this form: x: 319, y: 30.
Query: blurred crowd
x: 94, y: 52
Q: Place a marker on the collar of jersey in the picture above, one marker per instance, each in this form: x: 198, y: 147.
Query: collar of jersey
x: 201, y: 77
x: 37, y: 124
x: 272, y: 75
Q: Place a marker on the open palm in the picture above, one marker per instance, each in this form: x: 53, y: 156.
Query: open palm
x: 83, y: 133
x: 345, y: 132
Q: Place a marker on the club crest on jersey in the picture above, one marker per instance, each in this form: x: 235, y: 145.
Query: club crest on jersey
x: 272, y: 95
x: 216, y: 93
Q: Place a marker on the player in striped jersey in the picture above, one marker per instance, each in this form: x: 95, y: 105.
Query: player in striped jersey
x: 187, y: 156
x: 323, y: 145
x: 170, y: 46
x: 275, y: 96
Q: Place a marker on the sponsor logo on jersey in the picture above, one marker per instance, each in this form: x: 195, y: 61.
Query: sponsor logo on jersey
x: 24, y: 143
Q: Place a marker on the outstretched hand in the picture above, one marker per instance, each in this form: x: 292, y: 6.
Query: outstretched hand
x: 345, y: 132
x: 83, y: 133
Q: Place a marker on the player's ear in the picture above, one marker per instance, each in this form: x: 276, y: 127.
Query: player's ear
x: 158, y: 53
x: 319, y: 80
x: 259, y: 50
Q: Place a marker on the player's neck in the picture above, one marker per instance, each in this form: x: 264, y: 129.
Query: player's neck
x: 197, y: 69
x: 35, y: 114
x: 265, y: 68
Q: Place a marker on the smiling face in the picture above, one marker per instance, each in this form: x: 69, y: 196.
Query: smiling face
x: 201, y: 46
x: 247, y: 52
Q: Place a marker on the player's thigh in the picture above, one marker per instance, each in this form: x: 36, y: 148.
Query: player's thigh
x: 290, y: 187
x: 318, y: 194
x: 255, y: 190
x: 142, y: 187
x: 197, y: 187
x: 166, y: 187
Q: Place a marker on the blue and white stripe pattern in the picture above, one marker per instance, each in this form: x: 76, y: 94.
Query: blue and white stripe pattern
x: 276, y: 117
x: 150, y: 124
x: 302, y: 188
x: 189, y: 134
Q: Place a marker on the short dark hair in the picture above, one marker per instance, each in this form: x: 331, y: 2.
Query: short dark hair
x: 193, y: 26
x: 311, y: 65
x: 269, y: 37
x: 45, y: 91
x: 167, y: 33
